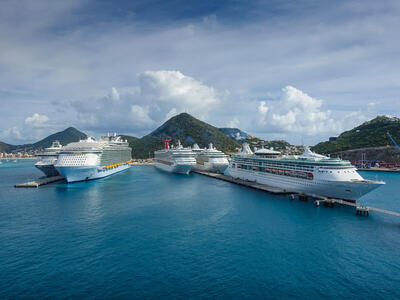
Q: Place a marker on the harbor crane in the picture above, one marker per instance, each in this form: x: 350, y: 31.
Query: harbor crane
x: 393, y: 141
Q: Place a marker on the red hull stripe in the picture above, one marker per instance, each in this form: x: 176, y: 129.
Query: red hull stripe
x: 164, y: 162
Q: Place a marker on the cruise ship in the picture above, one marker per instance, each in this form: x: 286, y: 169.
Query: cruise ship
x: 175, y: 159
x: 210, y: 159
x: 310, y: 173
x: 47, y: 159
x: 92, y: 159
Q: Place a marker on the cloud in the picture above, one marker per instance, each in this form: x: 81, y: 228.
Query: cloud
x: 344, y: 52
x: 12, y: 133
x: 114, y: 94
x: 152, y: 99
x: 171, y: 113
x: 33, y: 128
x: 36, y: 120
x: 234, y: 123
x: 183, y: 92
x: 298, y: 113
x: 140, y: 115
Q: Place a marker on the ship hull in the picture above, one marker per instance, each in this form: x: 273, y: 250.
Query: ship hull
x: 174, y: 168
x: 346, y: 190
x: 48, y: 170
x: 84, y: 173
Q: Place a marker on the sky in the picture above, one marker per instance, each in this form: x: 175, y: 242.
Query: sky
x: 296, y: 70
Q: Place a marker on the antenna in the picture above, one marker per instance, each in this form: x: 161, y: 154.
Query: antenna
x: 166, y: 142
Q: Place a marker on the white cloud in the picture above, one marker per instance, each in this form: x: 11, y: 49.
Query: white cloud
x: 140, y: 115
x: 152, y: 99
x: 184, y: 93
x: 234, y: 123
x: 12, y: 133
x: 36, y: 120
x: 33, y: 128
x: 298, y: 113
x: 114, y: 94
x: 349, y: 59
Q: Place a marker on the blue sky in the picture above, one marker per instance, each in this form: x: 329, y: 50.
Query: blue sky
x: 294, y: 70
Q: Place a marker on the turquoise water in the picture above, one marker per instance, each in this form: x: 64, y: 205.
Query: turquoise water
x: 147, y: 234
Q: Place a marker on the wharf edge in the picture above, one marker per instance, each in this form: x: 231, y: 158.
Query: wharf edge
x: 360, y: 209
x: 41, y: 181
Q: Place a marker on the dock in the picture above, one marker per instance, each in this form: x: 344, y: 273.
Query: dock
x: 250, y: 184
x: 361, y: 210
x: 41, y: 181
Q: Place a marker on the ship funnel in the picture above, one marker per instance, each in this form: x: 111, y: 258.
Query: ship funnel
x: 166, y: 142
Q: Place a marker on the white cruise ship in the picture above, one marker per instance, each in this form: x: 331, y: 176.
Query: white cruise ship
x: 210, y: 159
x: 91, y: 159
x: 310, y: 173
x: 175, y: 159
x: 47, y: 159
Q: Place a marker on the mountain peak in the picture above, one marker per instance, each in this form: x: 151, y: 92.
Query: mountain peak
x: 188, y: 130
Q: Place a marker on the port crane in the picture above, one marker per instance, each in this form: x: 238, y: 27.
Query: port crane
x: 393, y: 141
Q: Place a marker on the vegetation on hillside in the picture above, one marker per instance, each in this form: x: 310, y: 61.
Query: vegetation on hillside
x: 235, y: 133
x: 185, y: 128
x: 5, y: 147
x: 255, y: 142
x: 369, y: 134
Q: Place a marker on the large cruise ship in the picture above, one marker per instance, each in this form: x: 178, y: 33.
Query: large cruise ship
x: 47, y: 159
x: 175, y: 159
x: 310, y: 173
x: 91, y: 159
x: 210, y: 159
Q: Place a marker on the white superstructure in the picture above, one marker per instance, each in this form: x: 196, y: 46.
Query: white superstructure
x: 47, y: 159
x: 211, y: 159
x: 310, y: 173
x: 92, y: 159
x: 175, y: 159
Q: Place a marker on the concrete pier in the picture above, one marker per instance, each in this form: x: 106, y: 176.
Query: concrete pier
x: 251, y: 184
x: 41, y: 181
x: 327, y: 202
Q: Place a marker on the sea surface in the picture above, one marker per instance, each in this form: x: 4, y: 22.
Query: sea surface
x: 147, y: 234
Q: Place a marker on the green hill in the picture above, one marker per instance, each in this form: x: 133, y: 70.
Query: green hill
x: 5, y: 147
x: 66, y: 136
x: 185, y: 128
x: 369, y: 134
x: 235, y: 133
